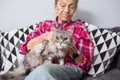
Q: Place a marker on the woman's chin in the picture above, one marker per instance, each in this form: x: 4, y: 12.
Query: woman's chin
x: 65, y: 20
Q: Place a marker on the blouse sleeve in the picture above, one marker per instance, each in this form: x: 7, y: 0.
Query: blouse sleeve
x: 85, y: 47
x: 36, y: 32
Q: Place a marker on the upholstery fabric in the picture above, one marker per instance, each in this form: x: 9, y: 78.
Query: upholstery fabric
x: 118, y: 61
x: 105, y: 47
x: 9, y: 42
x: 113, y: 74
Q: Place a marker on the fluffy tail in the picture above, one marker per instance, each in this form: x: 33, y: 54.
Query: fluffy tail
x: 20, y: 70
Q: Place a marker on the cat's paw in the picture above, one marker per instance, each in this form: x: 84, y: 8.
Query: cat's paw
x: 48, y: 62
x: 61, y: 62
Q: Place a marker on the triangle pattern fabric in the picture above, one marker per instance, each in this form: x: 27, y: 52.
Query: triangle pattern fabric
x: 105, y: 47
x: 9, y: 42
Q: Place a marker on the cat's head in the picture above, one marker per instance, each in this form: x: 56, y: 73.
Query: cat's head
x: 62, y: 38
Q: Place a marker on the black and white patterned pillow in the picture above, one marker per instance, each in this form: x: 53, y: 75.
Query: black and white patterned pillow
x: 0, y: 54
x: 9, y: 42
x: 105, y: 47
x: 0, y: 34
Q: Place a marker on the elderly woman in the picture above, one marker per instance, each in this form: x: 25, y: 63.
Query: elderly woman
x: 80, y: 61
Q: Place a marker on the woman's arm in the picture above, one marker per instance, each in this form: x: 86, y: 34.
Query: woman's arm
x: 32, y: 39
x: 39, y: 39
x: 85, y: 47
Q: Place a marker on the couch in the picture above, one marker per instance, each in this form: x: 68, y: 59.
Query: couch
x: 10, y: 58
x: 113, y: 73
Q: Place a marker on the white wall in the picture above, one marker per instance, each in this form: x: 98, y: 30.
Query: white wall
x: 21, y: 13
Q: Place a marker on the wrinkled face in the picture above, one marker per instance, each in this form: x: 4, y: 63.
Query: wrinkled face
x: 65, y: 10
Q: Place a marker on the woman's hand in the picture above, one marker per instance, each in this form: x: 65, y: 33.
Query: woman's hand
x: 73, y: 50
x: 37, y: 40
x: 79, y: 59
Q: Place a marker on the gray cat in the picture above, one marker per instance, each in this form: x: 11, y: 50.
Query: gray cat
x: 45, y: 52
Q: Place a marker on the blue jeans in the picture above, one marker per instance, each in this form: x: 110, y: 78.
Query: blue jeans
x: 55, y: 72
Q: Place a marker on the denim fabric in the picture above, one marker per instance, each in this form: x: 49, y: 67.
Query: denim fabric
x: 55, y: 72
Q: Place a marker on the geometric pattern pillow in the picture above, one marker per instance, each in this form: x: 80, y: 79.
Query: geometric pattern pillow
x: 0, y: 54
x: 105, y: 47
x: 9, y: 42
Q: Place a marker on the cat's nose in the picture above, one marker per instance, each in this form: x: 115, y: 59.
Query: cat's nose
x: 61, y: 43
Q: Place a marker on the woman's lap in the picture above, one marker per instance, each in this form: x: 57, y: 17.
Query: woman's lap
x: 54, y: 72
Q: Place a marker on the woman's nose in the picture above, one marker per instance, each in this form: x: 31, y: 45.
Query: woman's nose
x: 66, y: 9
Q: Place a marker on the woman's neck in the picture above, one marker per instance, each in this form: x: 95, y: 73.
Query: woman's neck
x: 62, y: 22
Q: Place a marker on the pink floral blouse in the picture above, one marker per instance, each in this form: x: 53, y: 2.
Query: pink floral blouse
x: 80, y: 37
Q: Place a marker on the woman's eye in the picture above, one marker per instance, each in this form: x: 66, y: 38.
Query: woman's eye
x: 72, y: 7
x: 62, y: 5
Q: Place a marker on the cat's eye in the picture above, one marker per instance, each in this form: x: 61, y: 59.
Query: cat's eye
x: 57, y: 38
x: 65, y: 38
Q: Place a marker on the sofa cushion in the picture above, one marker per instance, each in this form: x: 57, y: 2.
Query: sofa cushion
x: 118, y: 61
x: 9, y: 42
x: 0, y: 54
x: 113, y: 74
x: 105, y: 47
x: 0, y: 34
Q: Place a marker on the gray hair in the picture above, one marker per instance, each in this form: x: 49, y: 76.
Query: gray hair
x: 57, y: 1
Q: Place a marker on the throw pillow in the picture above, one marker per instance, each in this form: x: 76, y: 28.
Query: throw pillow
x: 105, y: 47
x: 9, y: 42
x: 0, y: 34
x: 118, y: 61
x: 0, y: 53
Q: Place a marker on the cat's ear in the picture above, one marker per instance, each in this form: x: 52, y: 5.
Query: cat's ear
x: 53, y: 29
x: 71, y: 30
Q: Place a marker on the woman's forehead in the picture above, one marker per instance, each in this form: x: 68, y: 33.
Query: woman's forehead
x: 67, y: 1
